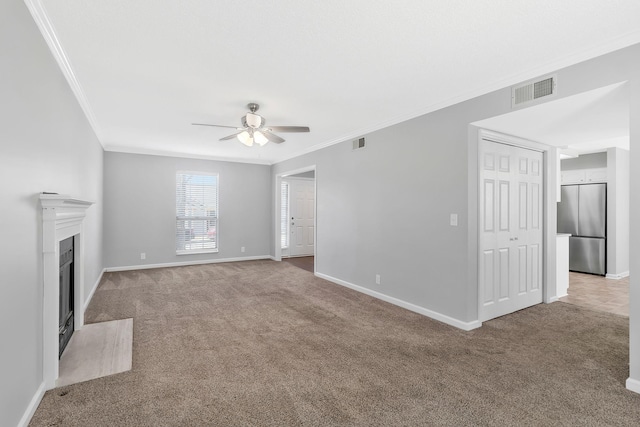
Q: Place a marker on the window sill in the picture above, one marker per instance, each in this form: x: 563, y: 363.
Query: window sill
x: 197, y: 251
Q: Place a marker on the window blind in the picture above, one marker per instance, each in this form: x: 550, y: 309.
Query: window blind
x: 196, y: 212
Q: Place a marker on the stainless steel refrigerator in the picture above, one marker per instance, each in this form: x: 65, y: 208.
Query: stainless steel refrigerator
x: 583, y: 214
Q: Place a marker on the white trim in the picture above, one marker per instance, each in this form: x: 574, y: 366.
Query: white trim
x: 152, y: 152
x: 554, y: 299
x: 93, y: 289
x: 41, y: 18
x: 62, y: 217
x: 33, y: 405
x: 516, y: 141
x: 465, y: 326
x: 633, y: 385
x: 296, y: 178
x: 184, y: 263
x: 197, y: 251
x: 617, y: 276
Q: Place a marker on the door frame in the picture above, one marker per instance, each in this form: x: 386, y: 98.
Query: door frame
x: 277, y: 204
x: 549, y: 211
x: 291, y: 179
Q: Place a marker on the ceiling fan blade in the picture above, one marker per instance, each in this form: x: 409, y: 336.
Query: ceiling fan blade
x: 217, y: 126
x: 289, y: 128
x: 230, y: 136
x: 271, y: 137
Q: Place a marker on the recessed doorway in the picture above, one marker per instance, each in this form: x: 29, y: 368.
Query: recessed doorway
x: 296, y: 217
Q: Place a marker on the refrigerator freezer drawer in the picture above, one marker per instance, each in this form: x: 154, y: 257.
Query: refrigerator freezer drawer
x: 587, y: 255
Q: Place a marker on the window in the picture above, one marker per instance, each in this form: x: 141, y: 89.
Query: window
x: 284, y: 215
x: 196, y: 212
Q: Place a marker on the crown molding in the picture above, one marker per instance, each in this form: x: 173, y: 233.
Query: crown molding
x: 151, y: 152
x: 39, y: 14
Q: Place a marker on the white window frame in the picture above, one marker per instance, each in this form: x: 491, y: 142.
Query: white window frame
x: 199, y: 242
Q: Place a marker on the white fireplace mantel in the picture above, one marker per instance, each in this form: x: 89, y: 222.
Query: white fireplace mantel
x: 62, y: 217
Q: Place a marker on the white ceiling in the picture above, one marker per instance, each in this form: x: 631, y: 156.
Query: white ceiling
x: 585, y: 123
x: 144, y: 70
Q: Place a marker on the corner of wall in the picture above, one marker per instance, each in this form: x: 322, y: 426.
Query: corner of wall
x: 33, y: 405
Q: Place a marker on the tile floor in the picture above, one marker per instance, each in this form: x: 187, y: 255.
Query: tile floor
x: 598, y: 293
x: 304, y: 262
x: 97, y: 350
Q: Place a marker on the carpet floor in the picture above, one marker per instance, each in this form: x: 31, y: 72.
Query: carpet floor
x: 263, y: 343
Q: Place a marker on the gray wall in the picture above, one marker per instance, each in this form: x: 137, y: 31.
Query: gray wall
x: 46, y: 144
x: 385, y: 209
x: 618, y: 212
x: 585, y: 161
x: 140, y: 209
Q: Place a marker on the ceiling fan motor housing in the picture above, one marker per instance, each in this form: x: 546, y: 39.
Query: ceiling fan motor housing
x: 252, y: 120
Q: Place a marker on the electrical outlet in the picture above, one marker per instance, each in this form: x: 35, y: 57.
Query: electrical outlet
x: 377, y: 279
x: 143, y: 255
x: 453, y: 220
x: 242, y: 249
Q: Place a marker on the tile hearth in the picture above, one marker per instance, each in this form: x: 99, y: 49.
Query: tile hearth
x: 97, y: 350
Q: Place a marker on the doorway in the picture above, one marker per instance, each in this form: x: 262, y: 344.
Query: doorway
x: 296, y: 218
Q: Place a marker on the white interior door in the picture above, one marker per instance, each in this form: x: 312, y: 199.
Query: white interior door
x: 302, y: 212
x: 511, y: 229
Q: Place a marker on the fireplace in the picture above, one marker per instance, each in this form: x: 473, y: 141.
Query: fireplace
x: 65, y: 311
x: 62, y: 221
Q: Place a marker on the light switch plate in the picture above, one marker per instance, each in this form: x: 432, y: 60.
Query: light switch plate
x: 454, y: 220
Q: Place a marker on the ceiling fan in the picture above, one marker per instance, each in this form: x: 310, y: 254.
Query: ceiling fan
x: 254, y: 130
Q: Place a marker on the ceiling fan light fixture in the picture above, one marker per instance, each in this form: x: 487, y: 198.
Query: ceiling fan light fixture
x: 253, y: 129
x: 254, y: 120
x: 259, y: 138
x: 246, y: 138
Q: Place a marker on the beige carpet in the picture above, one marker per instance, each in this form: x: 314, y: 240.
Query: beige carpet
x: 267, y: 344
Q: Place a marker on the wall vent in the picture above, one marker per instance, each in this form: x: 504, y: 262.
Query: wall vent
x: 533, y: 90
x: 358, y: 143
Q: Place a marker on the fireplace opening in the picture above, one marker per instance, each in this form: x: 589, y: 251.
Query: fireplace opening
x: 65, y: 324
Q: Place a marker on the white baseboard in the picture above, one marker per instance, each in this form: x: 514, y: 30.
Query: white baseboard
x: 617, y: 276
x: 184, y: 263
x: 554, y: 298
x: 93, y: 290
x: 33, y: 405
x: 633, y: 385
x: 465, y: 326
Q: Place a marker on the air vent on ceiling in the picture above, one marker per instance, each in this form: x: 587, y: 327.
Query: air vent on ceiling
x: 532, y: 91
x: 358, y: 143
